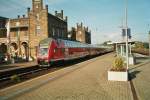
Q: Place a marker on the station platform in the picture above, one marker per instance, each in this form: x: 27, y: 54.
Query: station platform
x: 140, y: 78
x: 9, y: 67
x: 83, y: 81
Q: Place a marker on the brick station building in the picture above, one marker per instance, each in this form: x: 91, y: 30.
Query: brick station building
x: 80, y: 33
x: 27, y: 31
x: 3, y: 35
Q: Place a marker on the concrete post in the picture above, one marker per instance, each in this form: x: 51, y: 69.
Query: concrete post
x: 121, y: 50
x: 149, y: 43
x: 130, y: 49
x: 116, y: 49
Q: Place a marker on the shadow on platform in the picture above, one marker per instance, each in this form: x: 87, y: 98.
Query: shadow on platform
x: 133, y: 74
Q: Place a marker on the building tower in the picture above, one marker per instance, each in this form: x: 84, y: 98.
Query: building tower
x: 37, y: 5
x: 38, y: 25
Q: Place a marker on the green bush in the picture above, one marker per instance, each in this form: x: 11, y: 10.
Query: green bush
x: 118, y: 64
x: 15, y: 78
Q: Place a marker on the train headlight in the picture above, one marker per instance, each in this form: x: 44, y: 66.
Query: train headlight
x: 46, y: 61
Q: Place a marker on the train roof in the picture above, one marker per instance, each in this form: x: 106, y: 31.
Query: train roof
x: 76, y: 44
x: 68, y: 43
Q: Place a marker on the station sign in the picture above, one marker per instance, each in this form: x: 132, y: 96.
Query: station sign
x: 128, y: 32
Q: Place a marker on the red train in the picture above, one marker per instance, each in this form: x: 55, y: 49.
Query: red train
x: 51, y: 50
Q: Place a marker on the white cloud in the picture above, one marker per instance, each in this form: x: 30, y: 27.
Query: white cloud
x: 102, y: 37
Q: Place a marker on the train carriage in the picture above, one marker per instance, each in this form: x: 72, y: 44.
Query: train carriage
x: 52, y: 50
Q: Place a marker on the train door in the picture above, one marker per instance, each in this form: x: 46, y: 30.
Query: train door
x: 58, y: 54
x: 66, y: 53
x: 62, y: 52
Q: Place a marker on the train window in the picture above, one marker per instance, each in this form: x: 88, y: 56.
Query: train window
x: 57, y: 42
x: 43, y: 51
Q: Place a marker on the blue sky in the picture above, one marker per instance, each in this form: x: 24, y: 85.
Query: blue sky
x: 104, y: 17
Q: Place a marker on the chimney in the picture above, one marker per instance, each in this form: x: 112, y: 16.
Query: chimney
x: 81, y: 24
x: 46, y: 6
x: 66, y: 19
x: 62, y: 14
x: 55, y: 13
x: 23, y: 16
x: 28, y: 9
x: 18, y: 16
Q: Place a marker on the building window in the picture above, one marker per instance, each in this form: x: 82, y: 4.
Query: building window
x: 37, y: 16
x: 36, y: 50
x: 61, y: 34
x: 53, y: 31
x: 1, y: 25
x: 15, y: 35
x: 58, y: 33
x: 80, y: 32
x: 38, y: 29
x: 26, y: 33
x: 37, y: 6
x: 17, y: 24
x: 69, y: 36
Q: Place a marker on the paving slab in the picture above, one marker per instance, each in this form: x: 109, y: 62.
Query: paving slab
x: 140, y: 77
x: 83, y: 81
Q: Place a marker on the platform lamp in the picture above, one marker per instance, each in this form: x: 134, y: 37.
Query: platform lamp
x: 126, y: 28
x: 149, y: 42
x: 8, y: 39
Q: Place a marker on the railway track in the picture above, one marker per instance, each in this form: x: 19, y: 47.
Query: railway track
x: 20, y: 75
x: 20, y: 72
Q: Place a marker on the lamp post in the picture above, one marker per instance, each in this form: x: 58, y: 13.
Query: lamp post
x: 126, y: 28
x: 18, y: 38
x: 8, y: 40
x: 149, y: 42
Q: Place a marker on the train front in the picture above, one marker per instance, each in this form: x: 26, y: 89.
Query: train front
x: 43, y: 58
